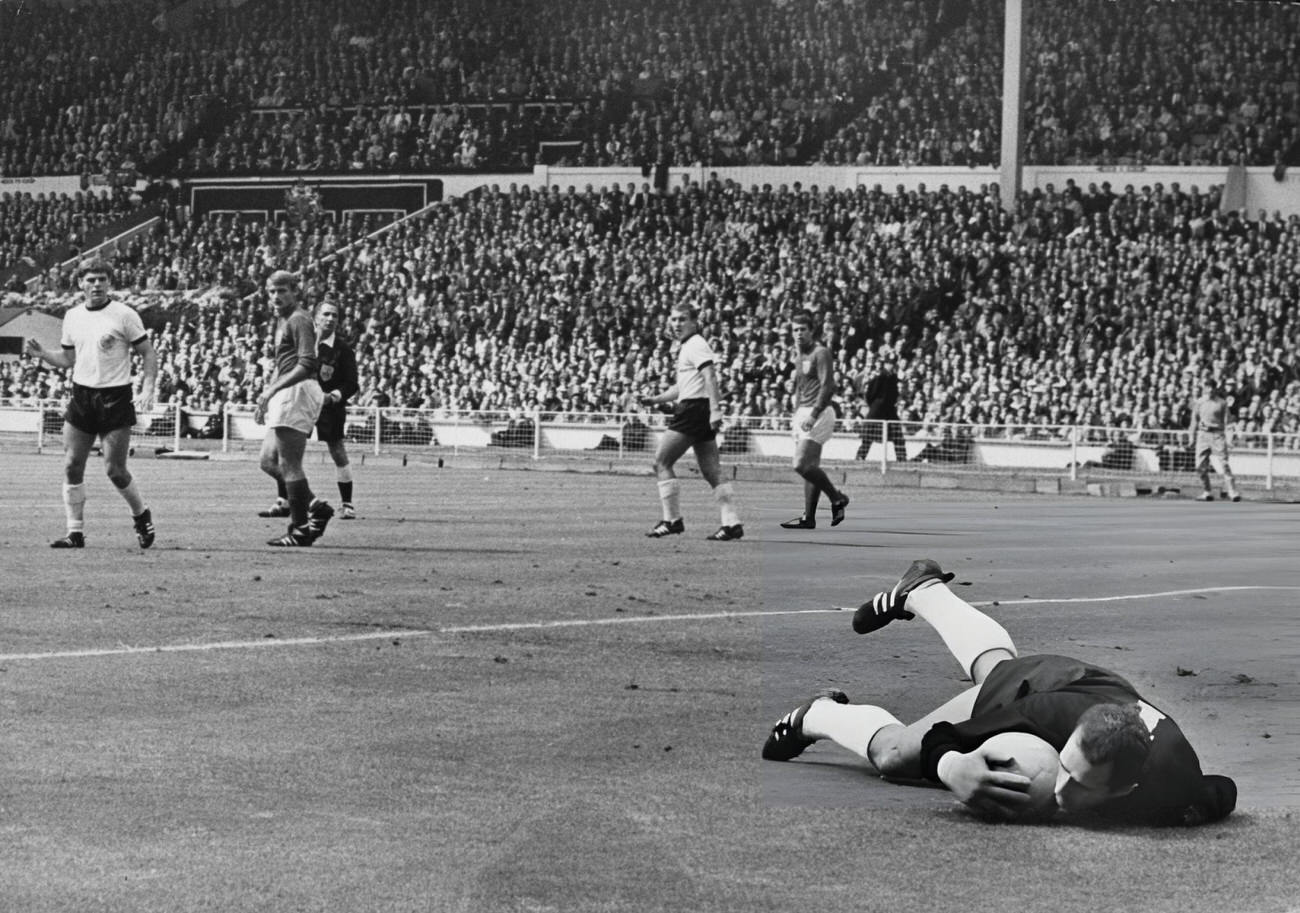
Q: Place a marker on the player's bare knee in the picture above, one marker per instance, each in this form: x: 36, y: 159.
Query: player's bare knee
x: 889, y: 753
x: 984, y: 663
x: 118, y: 475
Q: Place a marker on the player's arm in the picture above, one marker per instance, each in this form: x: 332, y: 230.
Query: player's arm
x: 300, y: 372
x: 710, y: 378
x: 148, y: 373
x: 1050, y: 715
x: 306, y: 367
x: 980, y: 780
x: 658, y: 399
x: 63, y: 358
x: 953, y: 753
x: 872, y: 393
x: 826, y: 374
x: 348, y: 385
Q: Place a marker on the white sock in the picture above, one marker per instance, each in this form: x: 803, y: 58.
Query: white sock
x: 967, y: 632
x: 726, y: 498
x: 850, y: 726
x: 133, y: 499
x: 670, y: 495
x: 74, y: 501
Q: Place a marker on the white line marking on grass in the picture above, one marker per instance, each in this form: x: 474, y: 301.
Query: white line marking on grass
x: 267, y: 642
x: 219, y: 645
x: 1128, y: 596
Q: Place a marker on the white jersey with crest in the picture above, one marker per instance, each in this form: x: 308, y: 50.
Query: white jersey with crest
x: 693, y: 357
x: 102, y: 339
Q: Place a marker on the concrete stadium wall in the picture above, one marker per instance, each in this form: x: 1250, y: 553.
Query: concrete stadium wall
x: 1263, y: 190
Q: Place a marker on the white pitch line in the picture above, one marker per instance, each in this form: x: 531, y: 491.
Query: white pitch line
x: 268, y: 642
x: 1199, y: 590
x: 218, y: 645
x: 265, y: 642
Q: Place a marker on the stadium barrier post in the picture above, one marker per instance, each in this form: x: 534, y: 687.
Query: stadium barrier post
x: 1074, y: 453
x: 176, y: 437
x: 537, y: 434
x: 1268, y: 464
x: 40, y: 426
x: 379, y: 418
x: 225, y: 427
x: 884, y: 448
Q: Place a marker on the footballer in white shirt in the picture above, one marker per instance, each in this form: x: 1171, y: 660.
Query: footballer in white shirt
x: 100, y: 335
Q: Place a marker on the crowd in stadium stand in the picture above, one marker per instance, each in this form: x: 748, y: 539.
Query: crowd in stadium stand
x: 1083, y: 306
x: 32, y: 223
x: 398, y: 85
x: 1133, y: 83
x: 1090, y: 305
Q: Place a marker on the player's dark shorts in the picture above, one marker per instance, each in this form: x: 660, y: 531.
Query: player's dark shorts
x: 691, y: 418
x: 332, y: 422
x: 99, y: 410
x: 1016, y: 678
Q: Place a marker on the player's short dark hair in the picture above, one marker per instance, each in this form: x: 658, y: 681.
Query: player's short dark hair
x: 803, y: 317
x: 1115, y: 734
x: 98, y: 266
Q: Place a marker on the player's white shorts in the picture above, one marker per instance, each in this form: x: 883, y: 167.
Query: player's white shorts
x: 821, y: 430
x: 1212, y: 450
x: 296, y: 407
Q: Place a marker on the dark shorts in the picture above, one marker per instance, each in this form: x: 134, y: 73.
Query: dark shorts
x: 99, y: 410
x: 332, y: 422
x: 691, y: 418
x: 1016, y: 678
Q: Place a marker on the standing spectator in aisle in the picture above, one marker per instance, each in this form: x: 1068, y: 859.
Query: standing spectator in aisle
x: 1210, y: 438
x: 99, y: 336
x: 813, y: 423
x: 338, y: 380
x: 289, y: 407
x: 697, y: 416
x: 882, y: 407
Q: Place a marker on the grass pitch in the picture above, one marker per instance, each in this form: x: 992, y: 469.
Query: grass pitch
x: 492, y: 693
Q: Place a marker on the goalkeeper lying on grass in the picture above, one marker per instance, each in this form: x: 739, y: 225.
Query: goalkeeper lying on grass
x: 1120, y: 758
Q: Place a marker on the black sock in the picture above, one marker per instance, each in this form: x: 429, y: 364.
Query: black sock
x: 281, y: 490
x: 299, y: 498
x: 345, y: 492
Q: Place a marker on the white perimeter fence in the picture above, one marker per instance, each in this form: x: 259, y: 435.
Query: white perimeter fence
x: 1261, y: 459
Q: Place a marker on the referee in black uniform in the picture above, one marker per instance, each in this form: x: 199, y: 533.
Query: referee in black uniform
x: 338, y: 378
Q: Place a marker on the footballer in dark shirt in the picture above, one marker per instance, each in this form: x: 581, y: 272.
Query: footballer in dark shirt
x: 1120, y: 757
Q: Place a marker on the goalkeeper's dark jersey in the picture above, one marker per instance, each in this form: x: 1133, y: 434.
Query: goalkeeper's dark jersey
x: 1045, y: 695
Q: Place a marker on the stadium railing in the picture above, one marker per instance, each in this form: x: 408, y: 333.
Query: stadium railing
x: 1165, y: 457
